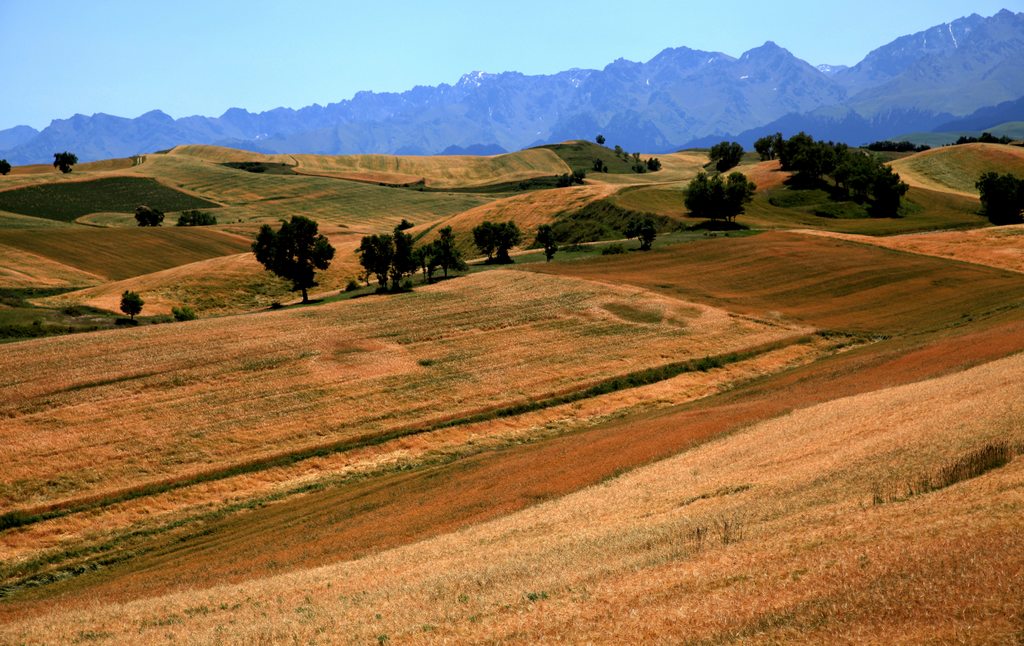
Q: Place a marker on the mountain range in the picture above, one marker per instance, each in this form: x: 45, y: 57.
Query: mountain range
x: 965, y: 71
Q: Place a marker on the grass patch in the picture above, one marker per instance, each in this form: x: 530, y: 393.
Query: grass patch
x: 602, y: 220
x: 66, y: 201
x: 581, y: 155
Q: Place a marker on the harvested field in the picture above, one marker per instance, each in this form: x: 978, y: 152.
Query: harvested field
x: 766, y: 535
x: 20, y: 268
x: 1000, y: 247
x: 438, y: 353
x: 528, y: 211
x: 121, y: 253
x: 955, y: 169
x: 439, y: 171
x: 223, y: 285
x: 265, y: 197
x: 817, y: 281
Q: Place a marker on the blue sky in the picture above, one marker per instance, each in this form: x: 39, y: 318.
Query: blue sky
x: 187, y: 57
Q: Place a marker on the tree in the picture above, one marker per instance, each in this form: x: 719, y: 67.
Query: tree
x: 131, y: 303
x: 4, y: 167
x: 643, y: 230
x: 404, y: 224
x: 402, y: 263
x: 711, y: 198
x: 425, y: 258
x: 294, y: 252
x: 64, y: 161
x: 546, y: 239
x: 769, y: 147
x: 654, y: 164
x: 375, y: 255
x: 600, y: 140
x: 1002, y: 197
x: 618, y: 150
x: 446, y: 253
x: 147, y: 217
x: 887, y: 190
x: 726, y: 155
x: 494, y: 239
x: 600, y: 166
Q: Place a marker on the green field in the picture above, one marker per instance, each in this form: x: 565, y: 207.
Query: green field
x: 69, y: 200
x: 580, y: 155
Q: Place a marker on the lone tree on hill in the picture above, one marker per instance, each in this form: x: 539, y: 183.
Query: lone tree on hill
x: 147, y: 217
x: 446, y: 253
x: 600, y: 139
x: 294, y: 252
x: 64, y: 161
x: 494, y: 239
x: 546, y: 239
x: 726, y: 155
x: 1002, y: 197
x: 4, y: 167
x: 644, y: 231
x: 131, y: 303
x: 711, y: 198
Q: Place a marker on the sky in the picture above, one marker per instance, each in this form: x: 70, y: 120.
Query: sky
x: 188, y: 57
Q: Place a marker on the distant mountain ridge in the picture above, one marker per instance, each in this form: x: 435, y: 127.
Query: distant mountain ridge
x: 680, y: 97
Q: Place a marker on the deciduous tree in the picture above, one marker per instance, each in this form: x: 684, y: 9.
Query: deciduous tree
x: 294, y: 252
x: 642, y: 229
x: 546, y: 239
x: 726, y: 155
x: 64, y: 161
x: 131, y: 303
x: 1002, y: 197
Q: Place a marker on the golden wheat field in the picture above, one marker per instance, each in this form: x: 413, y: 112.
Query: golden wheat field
x: 795, y: 436
x: 772, y: 534
x: 250, y: 386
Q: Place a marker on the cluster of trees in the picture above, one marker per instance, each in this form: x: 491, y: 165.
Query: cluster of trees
x: 1002, y: 197
x: 5, y: 167
x: 195, y: 218
x: 64, y: 161
x: 577, y: 177
x: 710, y: 197
x: 652, y: 164
x: 294, y: 252
x: 148, y: 217
x: 726, y: 155
x: 494, y: 239
x: 857, y: 174
x: 897, y: 147
x: 392, y: 257
x: 985, y: 138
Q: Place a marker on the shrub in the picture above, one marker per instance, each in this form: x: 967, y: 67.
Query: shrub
x: 613, y: 249
x: 196, y: 218
x: 351, y: 286
x: 183, y: 313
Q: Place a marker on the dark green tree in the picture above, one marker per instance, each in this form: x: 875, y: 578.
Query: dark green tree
x: 446, y: 253
x: 886, y: 192
x: 495, y: 239
x: 711, y: 198
x: 375, y: 255
x: 654, y: 164
x: 294, y: 252
x: 402, y: 263
x: 64, y: 161
x: 599, y: 165
x: 600, y: 140
x: 4, y: 167
x: 425, y: 258
x: 131, y: 303
x: 403, y: 225
x: 618, y: 150
x: 1002, y: 197
x: 768, y: 147
x: 147, y: 217
x: 546, y: 238
x: 726, y: 155
x: 642, y: 229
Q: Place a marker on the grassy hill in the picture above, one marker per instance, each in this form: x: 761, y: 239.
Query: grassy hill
x: 957, y: 168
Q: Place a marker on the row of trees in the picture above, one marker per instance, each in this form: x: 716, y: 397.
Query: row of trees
x: 1002, y: 197
x: 149, y: 217
x: 392, y: 257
